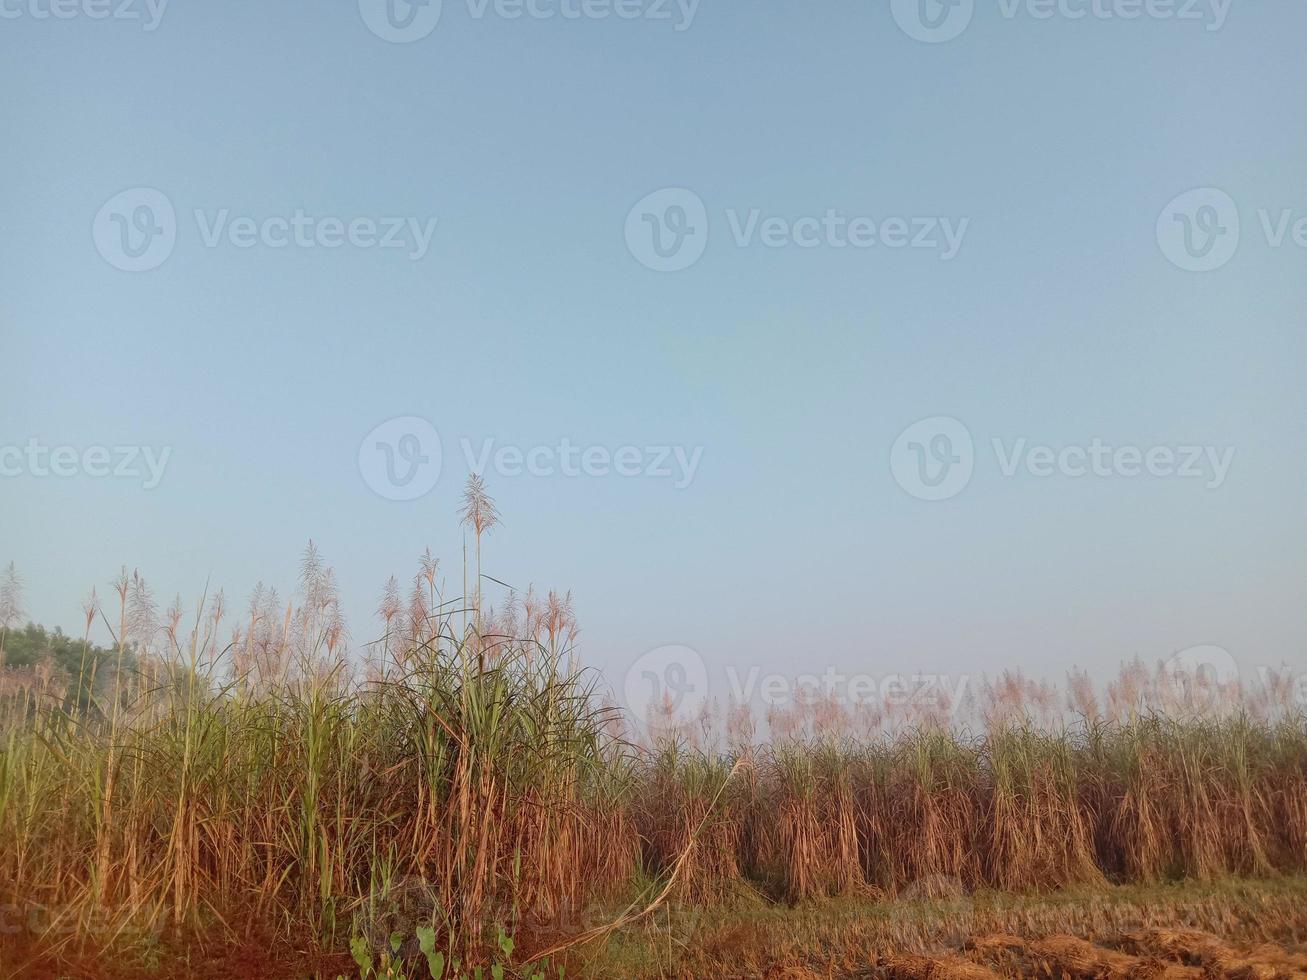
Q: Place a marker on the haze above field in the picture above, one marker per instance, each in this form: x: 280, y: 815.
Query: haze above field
x: 764, y: 386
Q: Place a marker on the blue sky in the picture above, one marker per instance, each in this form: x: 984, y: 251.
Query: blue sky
x: 529, y: 319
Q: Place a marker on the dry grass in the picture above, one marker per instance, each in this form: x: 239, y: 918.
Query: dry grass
x: 1093, y: 932
x: 471, y: 776
x: 908, y: 966
x: 218, y: 788
x: 1210, y: 955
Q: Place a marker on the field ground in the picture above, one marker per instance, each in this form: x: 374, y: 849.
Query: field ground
x: 1243, y: 929
x: 1233, y: 928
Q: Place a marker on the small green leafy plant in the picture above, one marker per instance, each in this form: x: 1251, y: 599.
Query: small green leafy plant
x: 390, y: 965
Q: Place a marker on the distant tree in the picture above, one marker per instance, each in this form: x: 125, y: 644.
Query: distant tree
x: 84, y: 667
x: 11, y: 605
